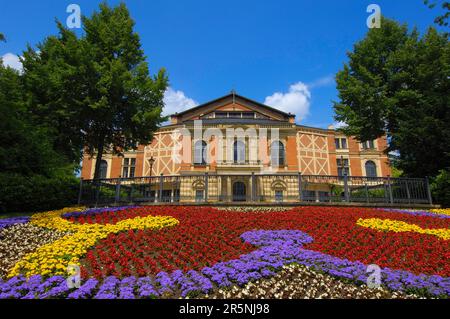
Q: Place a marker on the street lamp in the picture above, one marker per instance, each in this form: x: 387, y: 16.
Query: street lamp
x: 343, y: 170
x: 151, y: 161
x: 345, y: 175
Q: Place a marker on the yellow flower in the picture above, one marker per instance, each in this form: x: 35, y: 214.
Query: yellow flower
x: 400, y: 226
x: 53, y: 259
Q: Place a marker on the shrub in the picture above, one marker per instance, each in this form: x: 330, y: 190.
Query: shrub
x: 21, y: 193
x: 440, y: 188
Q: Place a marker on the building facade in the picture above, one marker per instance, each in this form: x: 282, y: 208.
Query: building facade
x: 234, y: 138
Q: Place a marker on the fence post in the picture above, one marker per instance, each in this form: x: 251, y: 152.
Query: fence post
x: 300, y: 191
x: 149, y: 189
x: 367, y: 193
x: 346, y: 192
x: 97, y: 191
x: 408, y: 194
x: 206, y: 187
x: 117, y: 197
x: 391, y: 198
x: 161, y: 186
x: 80, y: 192
x: 427, y: 185
x: 253, y: 187
x: 130, y: 198
x: 386, y: 196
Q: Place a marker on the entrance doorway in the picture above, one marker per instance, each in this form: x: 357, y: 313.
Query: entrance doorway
x: 239, y: 192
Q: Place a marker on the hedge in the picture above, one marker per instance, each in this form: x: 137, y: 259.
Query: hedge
x: 20, y: 193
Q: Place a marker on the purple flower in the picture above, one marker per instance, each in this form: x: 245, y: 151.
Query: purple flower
x: 415, y: 212
x: 146, y: 289
x: 164, y: 283
x: 85, y: 291
x: 7, y: 222
x: 204, y: 284
x: 96, y: 211
x: 53, y: 288
x: 126, y: 288
x: 108, y: 289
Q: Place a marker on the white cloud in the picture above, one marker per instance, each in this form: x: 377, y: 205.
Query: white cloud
x: 339, y: 125
x: 324, y: 81
x: 176, y: 101
x: 297, y: 100
x: 12, y: 60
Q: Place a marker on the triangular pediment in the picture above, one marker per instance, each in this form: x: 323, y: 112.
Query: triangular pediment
x: 232, y: 104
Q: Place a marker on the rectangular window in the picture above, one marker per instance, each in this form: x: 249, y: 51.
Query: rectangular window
x: 341, y: 143
x: 199, y: 195
x: 129, y: 167
x: 221, y: 115
x: 368, y: 145
x: 279, y: 196
x: 235, y: 115
x: 342, y: 167
x: 343, y: 162
x: 132, y: 166
x: 126, y: 162
x: 248, y: 115
x: 337, y: 143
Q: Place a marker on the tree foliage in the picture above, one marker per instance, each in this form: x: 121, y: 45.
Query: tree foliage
x: 32, y: 175
x: 397, y: 83
x: 440, y: 187
x: 94, y: 92
x: 442, y: 19
x: 25, y: 149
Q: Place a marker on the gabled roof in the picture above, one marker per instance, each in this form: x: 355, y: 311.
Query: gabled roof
x: 238, y: 99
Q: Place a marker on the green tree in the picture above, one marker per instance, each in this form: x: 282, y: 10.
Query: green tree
x: 442, y: 19
x: 25, y: 148
x: 2, y: 37
x: 397, y: 83
x: 32, y: 175
x: 95, y: 92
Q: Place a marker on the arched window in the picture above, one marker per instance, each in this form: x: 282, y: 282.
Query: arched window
x: 239, y: 152
x: 200, y: 153
x: 371, y: 169
x: 103, y: 169
x: 277, y: 153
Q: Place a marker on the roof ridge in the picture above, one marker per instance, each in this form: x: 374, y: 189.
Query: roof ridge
x: 234, y: 94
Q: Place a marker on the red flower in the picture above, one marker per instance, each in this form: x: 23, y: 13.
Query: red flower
x: 206, y: 236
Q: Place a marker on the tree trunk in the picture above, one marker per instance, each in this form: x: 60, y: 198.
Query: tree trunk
x: 99, y: 160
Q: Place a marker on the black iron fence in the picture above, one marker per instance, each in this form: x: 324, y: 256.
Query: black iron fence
x: 255, y: 188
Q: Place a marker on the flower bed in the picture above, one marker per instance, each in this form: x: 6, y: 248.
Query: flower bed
x: 297, y: 281
x: 7, y: 222
x: 129, y: 252
x: 53, y: 258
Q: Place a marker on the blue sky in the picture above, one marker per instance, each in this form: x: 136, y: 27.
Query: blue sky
x: 285, y: 53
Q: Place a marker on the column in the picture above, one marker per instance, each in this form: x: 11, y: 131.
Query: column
x: 229, y: 194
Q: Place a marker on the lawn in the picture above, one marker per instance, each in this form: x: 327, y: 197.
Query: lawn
x: 206, y: 252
